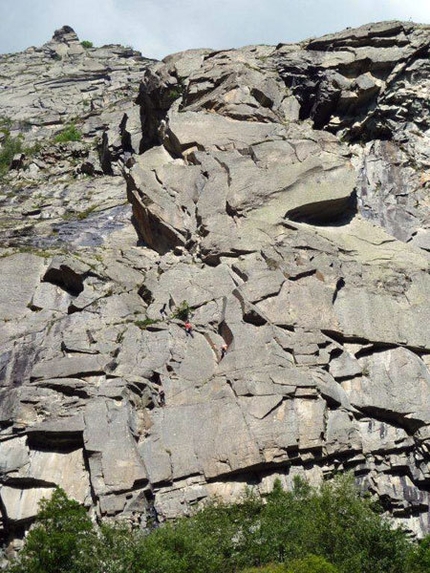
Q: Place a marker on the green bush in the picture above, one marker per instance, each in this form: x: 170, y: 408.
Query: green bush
x: 87, y: 44
x: 326, y: 530
x: 143, y: 324
x: 288, y: 527
x: 69, y: 133
x: 270, y: 568
x: 9, y: 146
x: 311, y: 564
x: 174, y: 93
x: 60, y: 542
x: 114, y: 551
x: 419, y: 558
x: 325, y: 521
x: 183, y: 311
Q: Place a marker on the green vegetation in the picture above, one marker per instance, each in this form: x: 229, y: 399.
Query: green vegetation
x: 327, y: 530
x: 69, y: 133
x: 9, y: 146
x: 32, y: 150
x: 419, y: 558
x: 271, y: 568
x: 174, y: 93
x: 311, y: 564
x: 79, y: 215
x: 143, y: 324
x: 183, y: 311
x: 87, y: 44
x: 84, y: 214
x: 60, y: 541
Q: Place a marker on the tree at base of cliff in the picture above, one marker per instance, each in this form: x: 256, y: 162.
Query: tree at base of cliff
x: 309, y: 564
x: 60, y: 541
x: 419, y: 558
x: 330, y: 529
x: 307, y: 530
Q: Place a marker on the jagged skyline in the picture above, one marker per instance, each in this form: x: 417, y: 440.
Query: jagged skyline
x: 160, y: 28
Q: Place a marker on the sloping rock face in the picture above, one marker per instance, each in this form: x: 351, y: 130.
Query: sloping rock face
x: 279, y: 198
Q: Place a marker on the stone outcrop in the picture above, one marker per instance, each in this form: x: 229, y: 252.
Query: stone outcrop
x: 276, y: 195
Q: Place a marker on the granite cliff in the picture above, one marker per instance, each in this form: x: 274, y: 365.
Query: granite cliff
x: 276, y: 195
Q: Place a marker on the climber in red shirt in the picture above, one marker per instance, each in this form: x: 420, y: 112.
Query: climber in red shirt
x: 189, y: 328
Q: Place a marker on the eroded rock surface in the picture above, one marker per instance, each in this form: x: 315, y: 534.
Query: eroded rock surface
x: 279, y: 196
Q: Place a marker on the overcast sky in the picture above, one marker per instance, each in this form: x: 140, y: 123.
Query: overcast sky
x: 160, y: 27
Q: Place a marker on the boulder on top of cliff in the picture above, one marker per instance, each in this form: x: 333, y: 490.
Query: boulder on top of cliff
x: 65, y: 42
x: 65, y: 35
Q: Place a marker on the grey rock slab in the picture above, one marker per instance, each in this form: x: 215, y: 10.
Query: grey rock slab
x: 396, y: 388
x: 66, y: 470
x: 344, y: 366
x: 121, y: 273
x: 245, y: 356
x: 358, y: 36
x: 186, y: 62
x: 23, y: 504
x: 199, y: 439
x: 183, y: 494
x: 142, y: 352
x: 262, y: 385
x: 111, y: 505
x: 199, y: 361
x: 153, y: 191
x: 111, y: 306
x: 63, y: 431
x: 50, y: 297
x: 211, y: 131
x: 89, y: 295
x: 85, y: 333
x: 342, y: 432
x: 262, y: 285
x: 73, y: 366
x: 388, y: 189
x: 372, y: 245
x: 331, y: 390
x: 14, y: 455
x: 382, y: 317
x: 303, y: 188
x: 259, y: 407
x: 212, y: 197
x: 114, y: 462
x: 294, y: 305
x: 194, y: 283
x: 156, y: 230
x: 20, y: 274
x: 73, y: 386
x: 235, y: 84
x: 380, y: 437
x: 296, y: 377
x: 277, y: 432
x: 310, y: 422
x: 422, y: 239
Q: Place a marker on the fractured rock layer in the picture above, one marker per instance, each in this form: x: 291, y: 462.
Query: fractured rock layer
x: 279, y: 199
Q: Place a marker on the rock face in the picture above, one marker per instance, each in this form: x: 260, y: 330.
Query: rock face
x: 279, y: 198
